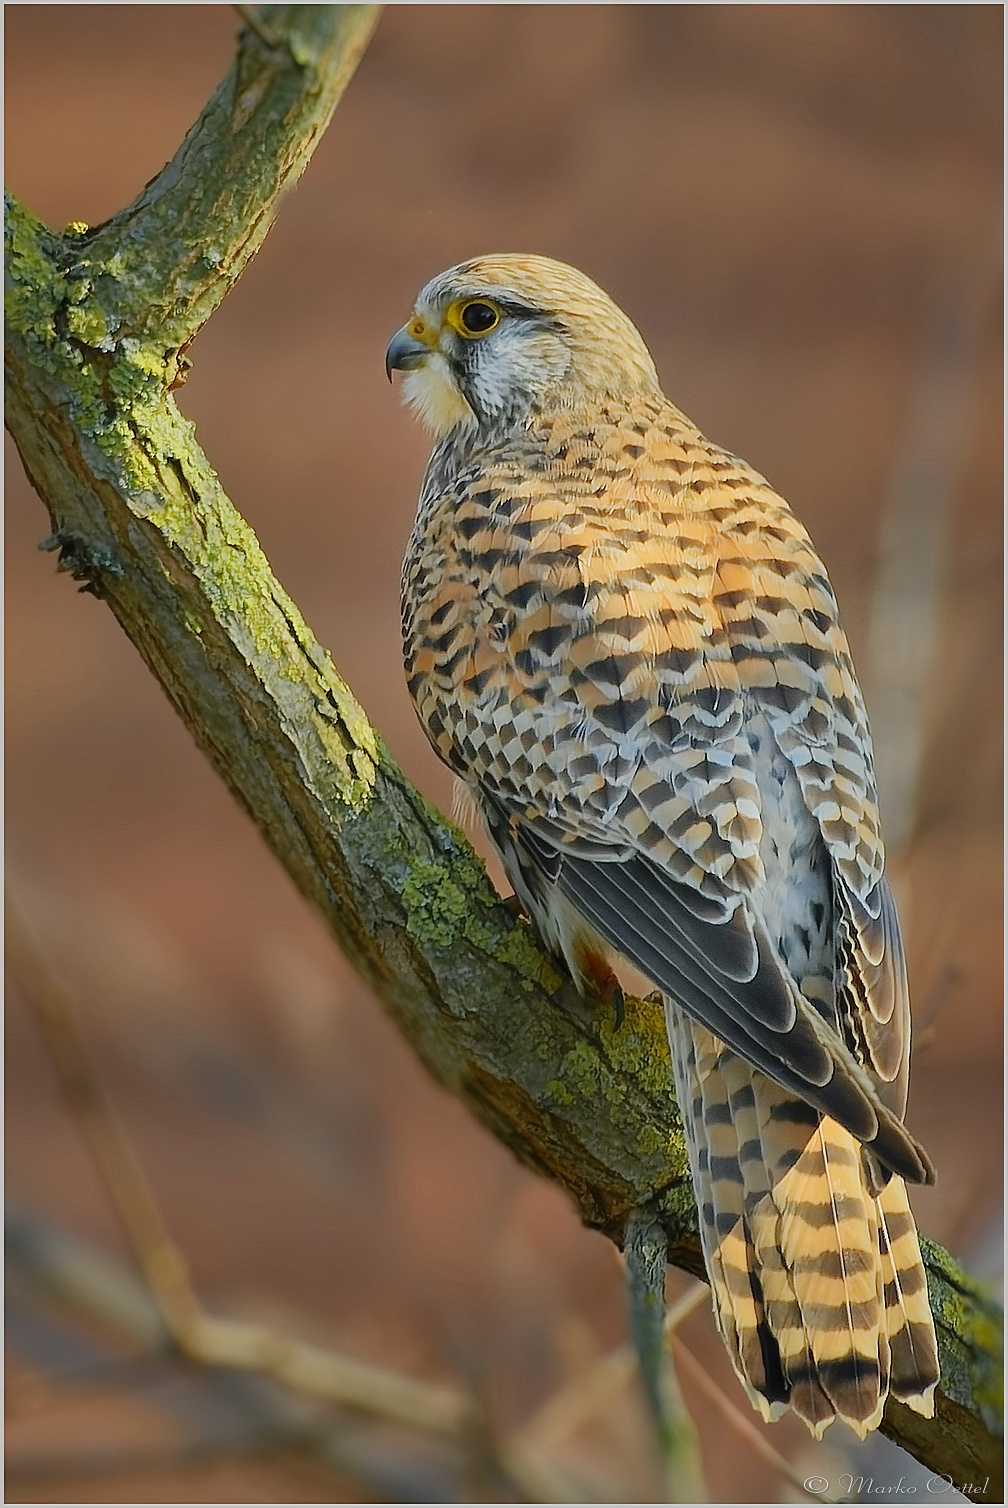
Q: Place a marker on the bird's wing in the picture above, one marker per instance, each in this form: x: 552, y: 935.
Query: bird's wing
x: 781, y: 617
x: 872, y: 990
x: 723, y: 973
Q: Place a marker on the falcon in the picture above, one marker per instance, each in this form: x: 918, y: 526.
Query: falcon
x: 622, y: 640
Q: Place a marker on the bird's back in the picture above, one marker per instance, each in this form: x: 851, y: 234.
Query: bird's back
x: 636, y: 593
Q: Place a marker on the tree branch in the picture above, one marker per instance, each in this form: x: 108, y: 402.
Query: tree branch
x: 97, y: 323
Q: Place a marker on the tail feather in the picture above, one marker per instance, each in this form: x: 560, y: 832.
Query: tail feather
x: 737, y: 1309
x: 910, y: 1327
x: 819, y: 1290
x: 794, y: 1248
x: 828, y: 1244
x: 785, y: 1323
x: 885, y: 1353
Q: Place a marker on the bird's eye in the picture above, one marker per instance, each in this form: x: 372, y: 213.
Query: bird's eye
x: 477, y: 316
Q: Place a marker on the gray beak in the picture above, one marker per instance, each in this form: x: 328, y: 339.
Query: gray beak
x: 404, y: 353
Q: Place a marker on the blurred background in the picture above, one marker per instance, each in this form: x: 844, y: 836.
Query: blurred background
x: 800, y: 208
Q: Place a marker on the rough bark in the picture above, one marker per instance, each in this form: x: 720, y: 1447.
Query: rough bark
x: 97, y: 325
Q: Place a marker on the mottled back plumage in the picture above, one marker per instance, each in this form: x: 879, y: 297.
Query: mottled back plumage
x: 623, y: 641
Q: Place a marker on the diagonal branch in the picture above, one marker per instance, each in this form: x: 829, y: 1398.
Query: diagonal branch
x: 96, y: 326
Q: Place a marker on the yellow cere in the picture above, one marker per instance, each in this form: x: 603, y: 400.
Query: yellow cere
x: 422, y: 332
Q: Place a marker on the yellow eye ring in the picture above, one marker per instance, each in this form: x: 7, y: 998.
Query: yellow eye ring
x: 474, y: 317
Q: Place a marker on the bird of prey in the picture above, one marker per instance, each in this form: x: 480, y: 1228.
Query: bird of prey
x: 622, y: 640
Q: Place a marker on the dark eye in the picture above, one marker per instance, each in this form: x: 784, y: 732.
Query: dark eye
x: 478, y: 317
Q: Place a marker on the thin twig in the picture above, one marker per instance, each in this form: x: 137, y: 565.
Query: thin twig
x: 572, y: 1407
x: 684, y: 1307
x: 538, y: 1479
x: 203, y: 1337
x: 737, y: 1421
x: 237, y: 1411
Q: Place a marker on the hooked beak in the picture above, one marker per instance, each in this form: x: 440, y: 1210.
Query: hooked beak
x: 404, y: 353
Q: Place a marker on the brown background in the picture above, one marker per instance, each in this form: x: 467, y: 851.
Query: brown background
x: 770, y: 192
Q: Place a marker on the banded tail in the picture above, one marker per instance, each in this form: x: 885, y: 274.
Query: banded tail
x: 818, y: 1285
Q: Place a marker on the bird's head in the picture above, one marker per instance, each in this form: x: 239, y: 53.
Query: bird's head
x: 491, y: 340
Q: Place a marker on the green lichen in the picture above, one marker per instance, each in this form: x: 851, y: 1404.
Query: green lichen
x: 193, y: 514
x: 636, y: 1050
x: 516, y: 949
x: 654, y: 1141
x: 35, y: 289
x: 436, y: 907
x: 137, y: 380
x: 60, y: 323
x: 117, y: 394
x: 585, y: 1071
x: 451, y: 899
x: 639, y: 1046
x: 86, y: 320
x: 970, y: 1335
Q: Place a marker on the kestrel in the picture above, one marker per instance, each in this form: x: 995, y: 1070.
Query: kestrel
x: 623, y: 641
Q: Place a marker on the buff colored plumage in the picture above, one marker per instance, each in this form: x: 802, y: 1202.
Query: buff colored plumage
x: 622, y: 640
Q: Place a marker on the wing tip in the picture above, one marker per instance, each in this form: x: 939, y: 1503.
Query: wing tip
x: 901, y: 1153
